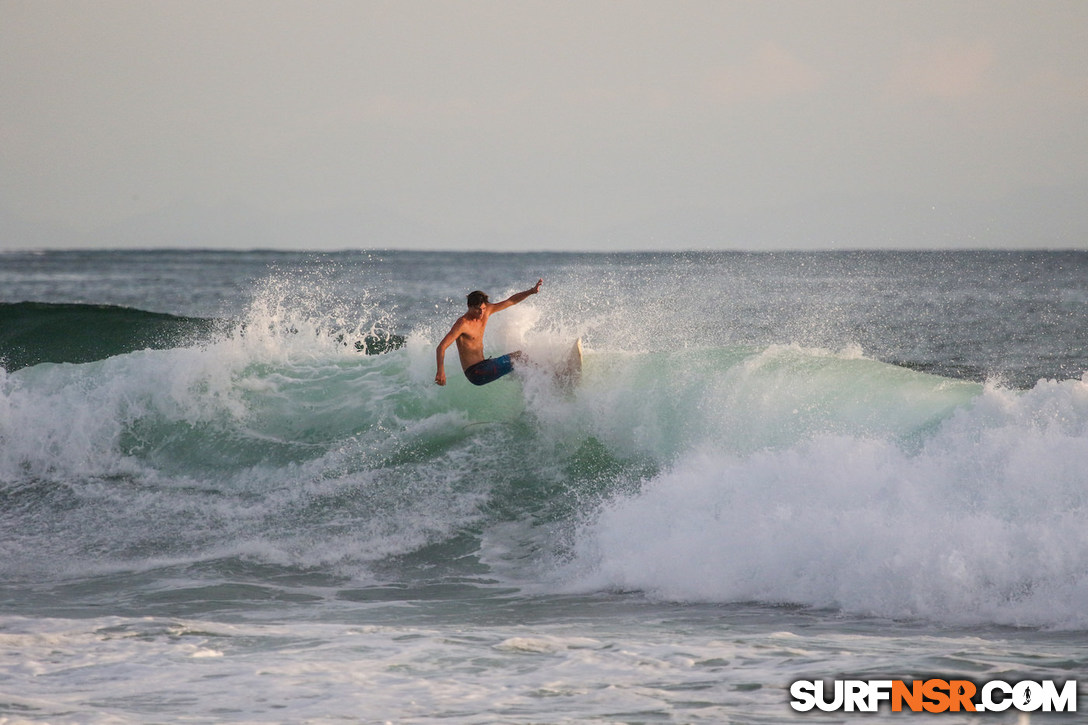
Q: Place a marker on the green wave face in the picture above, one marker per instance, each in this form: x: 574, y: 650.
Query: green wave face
x: 37, y: 332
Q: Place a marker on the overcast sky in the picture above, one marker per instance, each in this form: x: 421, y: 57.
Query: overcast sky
x: 544, y: 125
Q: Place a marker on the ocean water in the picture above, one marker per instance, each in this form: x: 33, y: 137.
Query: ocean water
x: 231, y: 492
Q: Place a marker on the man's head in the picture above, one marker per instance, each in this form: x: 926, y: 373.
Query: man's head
x: 476, y: 299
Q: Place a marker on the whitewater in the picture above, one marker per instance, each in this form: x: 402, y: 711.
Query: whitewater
x: 230, y: 491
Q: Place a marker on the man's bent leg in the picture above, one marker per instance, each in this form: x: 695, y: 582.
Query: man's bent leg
x: 491, y: 369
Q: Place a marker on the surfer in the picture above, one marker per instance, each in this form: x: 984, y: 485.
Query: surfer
x: 468, y: 333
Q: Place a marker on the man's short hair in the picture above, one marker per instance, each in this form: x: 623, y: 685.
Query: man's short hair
x: 477, y: 298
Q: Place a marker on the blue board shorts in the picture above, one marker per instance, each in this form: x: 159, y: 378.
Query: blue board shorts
x: 489, y: 370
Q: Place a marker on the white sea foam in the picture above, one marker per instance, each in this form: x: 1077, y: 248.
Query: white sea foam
x: 983, y: 520
x: 135, y: 670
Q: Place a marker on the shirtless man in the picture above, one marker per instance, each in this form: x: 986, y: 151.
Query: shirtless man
x: 468, y: 332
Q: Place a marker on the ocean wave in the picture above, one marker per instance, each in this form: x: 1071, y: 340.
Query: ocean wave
x: 780, y: 473
x: 980, y: 521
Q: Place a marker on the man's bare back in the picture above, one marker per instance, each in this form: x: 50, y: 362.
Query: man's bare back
x: 468, y: 333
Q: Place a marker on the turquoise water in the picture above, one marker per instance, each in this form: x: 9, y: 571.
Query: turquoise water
x: 230, y: 491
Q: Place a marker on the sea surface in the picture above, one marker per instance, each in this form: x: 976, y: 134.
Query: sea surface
x: 230, y: 490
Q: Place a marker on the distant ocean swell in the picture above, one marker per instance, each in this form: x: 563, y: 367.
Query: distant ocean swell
x: 778, y: 474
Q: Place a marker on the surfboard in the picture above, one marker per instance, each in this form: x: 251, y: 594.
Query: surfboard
x: 569, y: 372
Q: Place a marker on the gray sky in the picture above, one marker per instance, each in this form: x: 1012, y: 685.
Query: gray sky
x: 544, y: 125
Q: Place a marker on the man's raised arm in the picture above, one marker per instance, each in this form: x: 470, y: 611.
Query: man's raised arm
x: 517, y: 297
